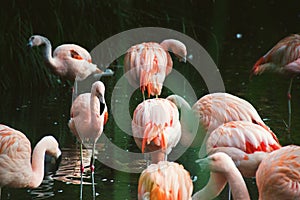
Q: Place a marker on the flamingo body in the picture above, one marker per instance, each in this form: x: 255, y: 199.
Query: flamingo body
x: 156, y: 126
x: 89, y: 114
x: 213, y: 110
x: 165, y: 181
x: 147, y: 64
x: 241, y: 140
x: 278, y: 174
x: 284, y: 57
x: 18, y: 169
x: 69, y: 61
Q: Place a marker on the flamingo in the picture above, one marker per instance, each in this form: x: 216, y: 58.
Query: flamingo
x: 165, y: 180
x: 18, y: 169
x: 223, y: 170
x: 69, y: 61
x: 149, y: 63
x: 88, y: 116
x: 284, y: 58
x: 212, y: 110
x: 245, y: 142
x: 156, y: 127
x: 278, y: 175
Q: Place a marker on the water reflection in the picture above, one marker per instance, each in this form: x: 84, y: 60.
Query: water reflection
x: 44, y: 191
x: 69, y: 168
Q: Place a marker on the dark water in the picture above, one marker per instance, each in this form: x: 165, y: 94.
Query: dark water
x: 235, y: 35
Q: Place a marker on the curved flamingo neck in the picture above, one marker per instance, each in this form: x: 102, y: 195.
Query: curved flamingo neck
x: 95, y: 113
x: 38, y: 158
x: 48, y: 53
x: 180, y: 102
x: 237, y: 184
x: 213, y: 188
x: 175, y: 47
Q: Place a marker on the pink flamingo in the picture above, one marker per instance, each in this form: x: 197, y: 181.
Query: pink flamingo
x: 165, y: 180
x: 278, y: 175
x: 149, y: 63
x: 88, y: 116
x: 241, y: 140
x: 18, y: 169
x: 212, y: 110
x: 284, y: 57
x: 223, y: 170
x: 69, y: 61
x: 156, y: 127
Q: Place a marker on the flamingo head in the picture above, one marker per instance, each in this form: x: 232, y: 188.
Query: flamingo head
x: 37, y: 40
x: 217, y: 162
x: 98, y: 89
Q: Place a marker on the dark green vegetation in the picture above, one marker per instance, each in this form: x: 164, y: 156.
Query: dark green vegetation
x: 212, y: 23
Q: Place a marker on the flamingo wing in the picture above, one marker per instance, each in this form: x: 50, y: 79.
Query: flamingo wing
x: 72, y: 51
x: 242, y: 135
x: 246, y: 143
x: 217, y: 108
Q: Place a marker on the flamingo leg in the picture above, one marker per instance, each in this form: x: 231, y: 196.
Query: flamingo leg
x: 289, y: 105
x: 81, y: 172
x: 92, y: 167
x: 75, y: 91
x: 229, y: 192
x: 143, y: 96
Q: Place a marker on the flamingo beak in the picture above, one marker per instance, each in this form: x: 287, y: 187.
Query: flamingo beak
x: 30, y: 44
x: 253, y: 72
x: 203, y: 163
x: 183, y: 59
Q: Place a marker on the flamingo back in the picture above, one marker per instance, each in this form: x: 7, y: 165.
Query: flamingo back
x: 72, y: 50
x: 156, y: 125
x: 165, y: 181
x: 278, y: 174
x: 147, y: 64
x: 15, y: 155
x: 242, y: 135
x: 217, y: 108
x: 74, y: 61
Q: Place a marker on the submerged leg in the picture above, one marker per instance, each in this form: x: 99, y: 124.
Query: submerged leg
x: 92, y: 167
x: 81, y: 172
x: 289, y: 105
